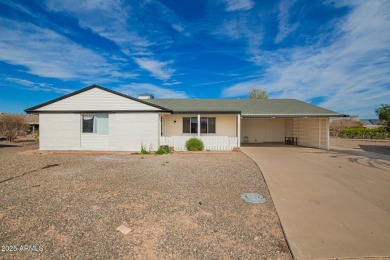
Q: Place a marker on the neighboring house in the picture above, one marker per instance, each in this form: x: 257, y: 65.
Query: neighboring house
x: 33, y: 121
x: 371, y: 123
x: 96, y: 118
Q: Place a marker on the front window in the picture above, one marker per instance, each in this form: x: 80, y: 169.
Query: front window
x: 207, y: 125
x: 97, y: 123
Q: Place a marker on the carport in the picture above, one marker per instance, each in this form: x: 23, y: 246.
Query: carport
x: 307, y: 130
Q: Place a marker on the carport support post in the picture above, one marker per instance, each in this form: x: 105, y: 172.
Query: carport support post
x: 238, y: 130
x: 327, y: 133
x: 199, y: 126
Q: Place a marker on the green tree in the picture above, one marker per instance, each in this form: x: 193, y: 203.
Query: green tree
x: 384, y: 114
x: 257, y: 93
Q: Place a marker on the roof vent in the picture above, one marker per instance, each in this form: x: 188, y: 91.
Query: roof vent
x: 145, y: 96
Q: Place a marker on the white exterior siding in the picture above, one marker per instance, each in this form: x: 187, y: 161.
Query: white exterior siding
x: 94, y: 142
x: 94, y: 100
x: 59, y: 131
x: 128, y: 131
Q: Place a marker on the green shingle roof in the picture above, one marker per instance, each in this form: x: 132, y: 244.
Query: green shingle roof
x: 247, y: 107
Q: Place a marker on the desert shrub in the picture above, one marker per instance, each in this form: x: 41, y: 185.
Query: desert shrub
x: 365, y: 133
x: 12, y: 126
x: 164, y: 149
x: 194, y: 144
x: 143, y: 150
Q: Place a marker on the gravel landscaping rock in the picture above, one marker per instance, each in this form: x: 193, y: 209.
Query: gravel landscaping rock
x: 179, y: 206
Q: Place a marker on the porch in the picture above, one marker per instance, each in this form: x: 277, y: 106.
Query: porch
x: 229, y: 131
x: 217, y: 131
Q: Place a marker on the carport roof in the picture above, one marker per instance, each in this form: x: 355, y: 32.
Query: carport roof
x: 247, y: 107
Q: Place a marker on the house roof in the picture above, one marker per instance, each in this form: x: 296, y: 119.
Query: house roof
x: 370, y: 121
x: 247, y: 107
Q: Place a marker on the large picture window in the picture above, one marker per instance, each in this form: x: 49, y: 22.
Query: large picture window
x: 97, y: 123
x: 207, y: 125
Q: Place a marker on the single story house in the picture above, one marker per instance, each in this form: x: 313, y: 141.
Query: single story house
x: 371, y: 123
x: 96, y: 118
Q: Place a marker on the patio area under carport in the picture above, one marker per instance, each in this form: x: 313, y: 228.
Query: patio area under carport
x: 306, y: 131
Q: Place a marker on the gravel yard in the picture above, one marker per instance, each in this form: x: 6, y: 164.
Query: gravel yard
x: 182, y: 206
x: 369, y: 145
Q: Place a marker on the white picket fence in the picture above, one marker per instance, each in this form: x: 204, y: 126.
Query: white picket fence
x: 210, y: 142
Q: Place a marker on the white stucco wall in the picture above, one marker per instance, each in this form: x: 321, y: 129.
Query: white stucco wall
x: 226, y: 125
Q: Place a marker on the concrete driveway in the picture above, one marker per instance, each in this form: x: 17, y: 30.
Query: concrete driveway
x: 332, y: 204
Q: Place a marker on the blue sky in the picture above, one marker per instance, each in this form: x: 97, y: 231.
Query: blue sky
x: 335, y: 54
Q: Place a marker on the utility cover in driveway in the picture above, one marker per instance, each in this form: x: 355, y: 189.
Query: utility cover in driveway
x: 253, y: 198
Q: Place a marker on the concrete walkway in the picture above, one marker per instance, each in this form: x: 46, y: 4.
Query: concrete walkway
x: 332, y: 204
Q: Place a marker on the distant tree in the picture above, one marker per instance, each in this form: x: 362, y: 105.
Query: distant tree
x: 384, y: 114
x: 257, y: 93
x: 12, y: 126
x: 337, y: 125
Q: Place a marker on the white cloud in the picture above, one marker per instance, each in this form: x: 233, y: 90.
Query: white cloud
x: 352, y: 73
x: 32, y: 86
x: 157, y: 68
x: 284, y: 27
x: 173, y: 83
x: 239, y: 5
x: 48, y: 54
x: 239, y: 29
x: 110, y: 19
x: 107, y: 18
x: 178, y: 27
x: 22, y: 82
x: 159, y: 92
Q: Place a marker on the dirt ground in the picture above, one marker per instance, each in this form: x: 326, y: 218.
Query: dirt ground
x: 180, y: 206
x: 369, y: 145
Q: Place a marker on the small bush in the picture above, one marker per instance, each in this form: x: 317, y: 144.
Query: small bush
x: 194, y: 144
x: 143, y: 150
x: 164, y: 149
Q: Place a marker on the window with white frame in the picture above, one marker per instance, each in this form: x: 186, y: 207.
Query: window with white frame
x: 95, y: 123
x: 207, y: 125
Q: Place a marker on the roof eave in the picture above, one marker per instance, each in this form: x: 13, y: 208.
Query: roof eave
x: 96, y: 111
x: 205, y: 112
x: 292, y: 115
